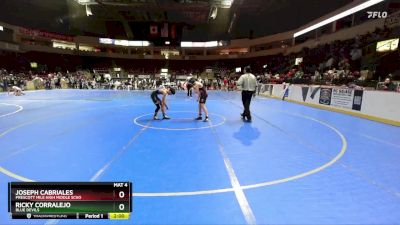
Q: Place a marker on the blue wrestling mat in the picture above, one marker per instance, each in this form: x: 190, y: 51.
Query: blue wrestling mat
x: 292, y: 165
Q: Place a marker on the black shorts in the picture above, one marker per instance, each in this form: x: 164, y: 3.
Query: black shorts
x: 154, y: 97
x: 203, y: 96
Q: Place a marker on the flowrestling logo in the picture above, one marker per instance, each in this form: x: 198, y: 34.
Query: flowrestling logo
x: 376, y: 14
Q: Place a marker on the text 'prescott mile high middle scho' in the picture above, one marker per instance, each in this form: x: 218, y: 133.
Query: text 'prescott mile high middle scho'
x: 70, y: 200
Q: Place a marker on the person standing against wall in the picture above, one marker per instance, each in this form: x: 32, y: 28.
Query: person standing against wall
x: 248, y: 85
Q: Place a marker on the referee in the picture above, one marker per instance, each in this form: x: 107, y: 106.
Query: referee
x: 248, y: 84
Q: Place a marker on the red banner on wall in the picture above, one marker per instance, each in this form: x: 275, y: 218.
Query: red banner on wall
x: 173, y: 31
x: 44, y: 34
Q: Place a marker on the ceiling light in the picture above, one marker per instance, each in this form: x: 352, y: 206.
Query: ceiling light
x: 226, y: 3
x: 86, y: 2
x: 338, y: 16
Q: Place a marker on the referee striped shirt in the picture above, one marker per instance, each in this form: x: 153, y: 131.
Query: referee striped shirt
x: 247, y: 82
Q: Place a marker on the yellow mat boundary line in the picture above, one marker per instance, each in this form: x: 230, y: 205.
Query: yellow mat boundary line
x: 357, y: 114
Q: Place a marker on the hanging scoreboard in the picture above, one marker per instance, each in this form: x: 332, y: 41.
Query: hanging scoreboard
x: 70, y: 200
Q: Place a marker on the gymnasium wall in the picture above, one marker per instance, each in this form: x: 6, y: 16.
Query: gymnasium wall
x: 381, y: 106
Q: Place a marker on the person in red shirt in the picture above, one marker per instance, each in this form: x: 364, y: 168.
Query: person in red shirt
x: 225, y: 83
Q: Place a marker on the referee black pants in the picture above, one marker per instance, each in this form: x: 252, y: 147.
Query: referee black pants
x: 246, y: 99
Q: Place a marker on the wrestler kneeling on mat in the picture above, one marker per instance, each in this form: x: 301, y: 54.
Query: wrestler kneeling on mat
x: 16, y: 90
x: 202, y: 97
x: 161, y: 104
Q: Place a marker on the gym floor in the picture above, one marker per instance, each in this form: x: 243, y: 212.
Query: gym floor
x: 292, y: 165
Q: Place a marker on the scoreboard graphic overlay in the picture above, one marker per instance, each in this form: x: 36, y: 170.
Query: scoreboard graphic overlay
x: 70, y: 200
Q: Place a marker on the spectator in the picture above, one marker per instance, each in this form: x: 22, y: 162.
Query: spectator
x: 389, y: 85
